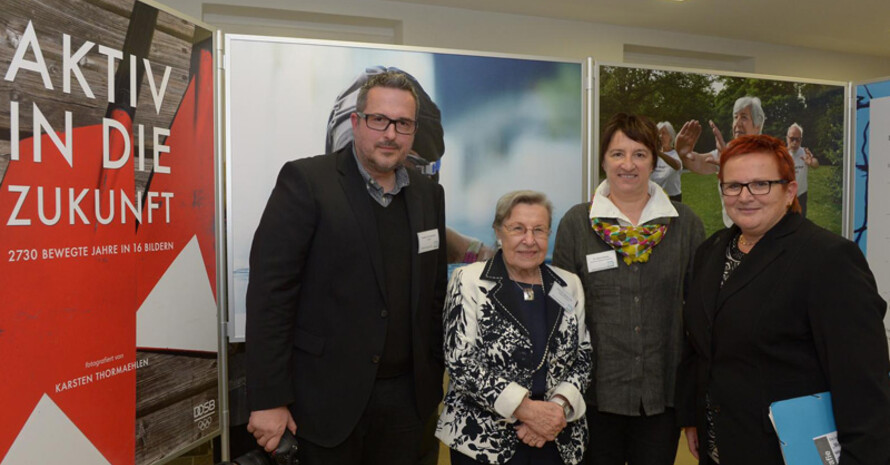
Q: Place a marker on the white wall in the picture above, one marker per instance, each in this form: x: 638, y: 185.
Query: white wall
x: 452, y: 28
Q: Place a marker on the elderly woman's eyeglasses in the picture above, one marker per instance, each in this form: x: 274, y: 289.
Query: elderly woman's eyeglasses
x: 518, y: 230
x: 733, y: 189
x: 381, y: 123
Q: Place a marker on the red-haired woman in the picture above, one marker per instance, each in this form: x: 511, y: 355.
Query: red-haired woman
x: 779, y: 308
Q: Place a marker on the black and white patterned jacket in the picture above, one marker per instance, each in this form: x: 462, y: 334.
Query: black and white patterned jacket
x: 488, y: 354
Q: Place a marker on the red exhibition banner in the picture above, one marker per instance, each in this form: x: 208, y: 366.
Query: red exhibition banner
x: 107, y: 210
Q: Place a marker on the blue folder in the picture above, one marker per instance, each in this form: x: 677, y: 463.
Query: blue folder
x: 806, y: 430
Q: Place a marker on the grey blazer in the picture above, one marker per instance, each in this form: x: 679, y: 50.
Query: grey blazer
x: 633, y: 311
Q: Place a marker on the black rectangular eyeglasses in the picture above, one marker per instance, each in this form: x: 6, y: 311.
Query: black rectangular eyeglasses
x: 382, y: 122
x: 733, y: 189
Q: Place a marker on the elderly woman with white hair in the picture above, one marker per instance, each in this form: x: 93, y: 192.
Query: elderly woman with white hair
x: 748, y: 119
x: 668, y: 166
x: 516, y: 348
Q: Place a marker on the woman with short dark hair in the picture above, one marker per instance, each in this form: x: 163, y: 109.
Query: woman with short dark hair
x: 632, y: 248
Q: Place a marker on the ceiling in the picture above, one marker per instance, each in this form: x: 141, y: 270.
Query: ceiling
x: 857, y: 26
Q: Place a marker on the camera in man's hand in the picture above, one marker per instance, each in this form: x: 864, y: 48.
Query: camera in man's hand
x: 284, y: 454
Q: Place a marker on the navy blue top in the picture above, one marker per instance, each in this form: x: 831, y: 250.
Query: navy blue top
x: 534, y: 315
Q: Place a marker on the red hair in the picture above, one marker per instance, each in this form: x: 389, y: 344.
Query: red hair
x: 768, y: 145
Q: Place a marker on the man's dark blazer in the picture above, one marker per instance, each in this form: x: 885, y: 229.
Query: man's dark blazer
x: 316, y: 305
x: 800, y: 315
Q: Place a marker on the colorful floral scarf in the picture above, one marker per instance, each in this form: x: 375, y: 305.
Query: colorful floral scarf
x: 634, y: 243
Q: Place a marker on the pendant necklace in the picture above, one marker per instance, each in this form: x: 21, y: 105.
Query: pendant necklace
x: 528, y: 293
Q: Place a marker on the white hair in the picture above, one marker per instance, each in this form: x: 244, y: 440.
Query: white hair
x: 757, y: 115
x: 504, y: 207
x: 796, y: 126
x: 670, y: 129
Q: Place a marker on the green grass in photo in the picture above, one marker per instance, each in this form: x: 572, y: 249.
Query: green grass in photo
x: 824, y: 203
x: 700, y: 192
x: 823, y: 206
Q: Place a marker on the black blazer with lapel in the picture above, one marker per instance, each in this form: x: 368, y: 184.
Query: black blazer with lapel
x: 316, y: 307
x: 800, y: 315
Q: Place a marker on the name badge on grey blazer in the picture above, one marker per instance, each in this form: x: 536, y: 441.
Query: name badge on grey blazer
x: 602, y: 261
x: 427, y: 240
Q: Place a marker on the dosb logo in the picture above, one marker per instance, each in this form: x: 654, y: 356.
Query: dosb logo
x: 205, y: 409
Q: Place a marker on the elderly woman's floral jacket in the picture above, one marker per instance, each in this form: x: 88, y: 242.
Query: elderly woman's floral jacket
x: 488, y: 354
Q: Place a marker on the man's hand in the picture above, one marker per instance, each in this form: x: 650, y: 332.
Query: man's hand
x: 267, y: 426
x: 692, y: 440
x: 528, y: 436
x: 545, y: 418
x: 810, y: 159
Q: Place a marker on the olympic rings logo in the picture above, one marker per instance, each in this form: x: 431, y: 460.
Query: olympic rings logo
x: 205, y: 423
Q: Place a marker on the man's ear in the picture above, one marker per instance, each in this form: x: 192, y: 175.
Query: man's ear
x: 354, y: 119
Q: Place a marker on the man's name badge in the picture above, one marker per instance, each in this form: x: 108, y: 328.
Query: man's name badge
x: 602, y: 261
x: 562, y: 297
x: 427, y: 240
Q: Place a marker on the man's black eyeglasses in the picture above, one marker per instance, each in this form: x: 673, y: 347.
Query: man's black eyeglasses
x: 381, y: 123
x: 733, y: 189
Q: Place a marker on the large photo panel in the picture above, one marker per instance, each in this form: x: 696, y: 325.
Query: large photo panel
x: 488, y: 125
x: 675, y: 96
x: 108, y: 329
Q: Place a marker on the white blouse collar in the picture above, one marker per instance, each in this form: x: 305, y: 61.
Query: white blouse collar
x: 658, y: 206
